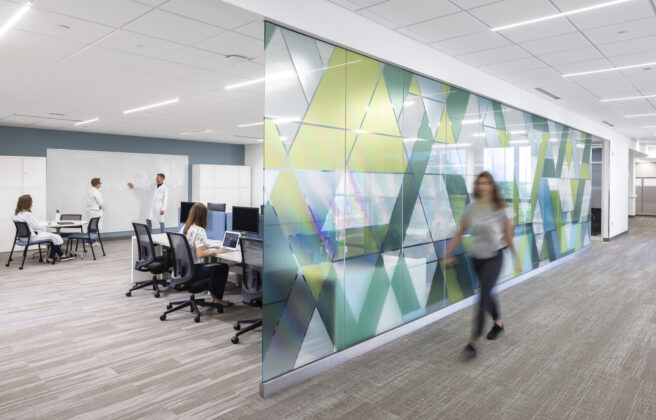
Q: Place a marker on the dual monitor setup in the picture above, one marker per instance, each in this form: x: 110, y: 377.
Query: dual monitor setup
x: 244, y: 219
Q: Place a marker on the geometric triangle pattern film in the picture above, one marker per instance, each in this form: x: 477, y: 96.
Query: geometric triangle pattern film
x: 367, y: 170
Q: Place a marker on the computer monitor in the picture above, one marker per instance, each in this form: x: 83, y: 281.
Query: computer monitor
x: 216, y: 206
x: 245, y: 219
x: 185, y: 207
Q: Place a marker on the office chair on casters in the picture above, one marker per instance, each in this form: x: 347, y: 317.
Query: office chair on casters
x: 251, y: 284
x: 185, y: 277
x: 148, y: 261
x: 23, y: 239
x: 91, y: 237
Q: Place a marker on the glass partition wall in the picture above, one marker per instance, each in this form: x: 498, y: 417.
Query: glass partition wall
x: 367, y: 170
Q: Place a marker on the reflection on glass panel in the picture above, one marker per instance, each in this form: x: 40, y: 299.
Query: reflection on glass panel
x: 368, y: 169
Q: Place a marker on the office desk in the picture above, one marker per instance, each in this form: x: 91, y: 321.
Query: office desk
x: 161, y: 240
x: 58, y: 227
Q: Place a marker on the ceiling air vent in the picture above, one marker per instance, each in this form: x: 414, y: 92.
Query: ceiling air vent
x: 549, y: 94
x: 608, y: 124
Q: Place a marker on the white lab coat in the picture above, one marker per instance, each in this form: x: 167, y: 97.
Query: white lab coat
x: 35, y: 227
x: 95, y: 204
x: 158, y: 203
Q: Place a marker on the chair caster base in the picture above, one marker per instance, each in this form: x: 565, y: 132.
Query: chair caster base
x: 235, y: 340
x: 162, y: 318
x: 128, y: 294
x: 197, y: 319
x: 169, y: 306
x: 156, y: 295
x: 237, y: 326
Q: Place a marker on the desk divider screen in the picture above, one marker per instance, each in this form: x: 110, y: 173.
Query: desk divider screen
x: 367, y: 170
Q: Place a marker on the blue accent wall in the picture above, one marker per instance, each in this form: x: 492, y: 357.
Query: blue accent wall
x: 19, y: 141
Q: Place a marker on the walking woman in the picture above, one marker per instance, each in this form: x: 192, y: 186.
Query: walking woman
x: 23, y: 213
x: 492, y: 229
x: 196, y: 235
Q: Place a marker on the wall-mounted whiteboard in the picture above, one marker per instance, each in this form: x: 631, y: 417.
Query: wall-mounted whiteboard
x: 227, y: 184
x: 70, y: 173
x: 20, y: 175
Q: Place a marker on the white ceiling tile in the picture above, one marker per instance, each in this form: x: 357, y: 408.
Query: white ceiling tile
x: 556, y: 44
x: 539, y: 30
x: 632, y: 46
x: 138, y: 44
x: 114, y: 13
x: 530, y: 63
x: 480, y: 41
x: 470, y: 4
x: 211, y: 11
x: 446, y: 27
x: 537, y: 74
x: 377, y: 18
x: 20, y: 120
x: 232, y: 43
x: 214, y: 80
x: 248, y: 70
x: 29, y: 43
x: 622, y: 31
x: 168, y: 68
x: 349, y: 5
x: 512, y: 11
x: 633, y: 59
x: 151, y: 3
x: 407, y: 12
x: 196, y: 57
x: 174, y: 28
x: 61, y: 26
x: 412, y: 35
x: 253, y: 29
x: 496, y: 55
x: 571, y: 56
x: 363, y: 3
x: 583, y: 66
x: 611, y: 15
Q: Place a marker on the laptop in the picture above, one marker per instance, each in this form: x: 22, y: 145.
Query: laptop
x: 231, y: 240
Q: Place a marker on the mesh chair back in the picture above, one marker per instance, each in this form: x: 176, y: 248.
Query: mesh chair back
x: 251, y: 254
x: 70, y: 217
x: 144, y: 245
x: 183, y: 263
x: 93, y: 225
x: 22, y: 230
x: 216, y: 206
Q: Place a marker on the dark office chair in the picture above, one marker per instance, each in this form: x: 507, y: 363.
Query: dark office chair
x: 91, y: 237
x: 216, y: 206
x: 75, y: 218
x: 23, y: 238
x: 251, y: 283
x: 185, y: 277
x: 148, y: 261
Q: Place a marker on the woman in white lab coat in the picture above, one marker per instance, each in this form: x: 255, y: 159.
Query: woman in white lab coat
x: 23, y: 213
x: 158, y: 203
x: 95, y: 203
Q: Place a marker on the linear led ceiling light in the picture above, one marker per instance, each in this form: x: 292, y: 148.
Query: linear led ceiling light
x: 251, y: 124
x: 557, y: 15
x: 648, y: 126
x: 640, y: 115
x: 628, y: 98
x: 87, y: 121
x: 158, y: 104
x: 633, y: 66
x: 15, y: 18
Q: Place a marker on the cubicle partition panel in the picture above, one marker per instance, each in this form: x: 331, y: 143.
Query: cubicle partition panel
x: 367, y: 170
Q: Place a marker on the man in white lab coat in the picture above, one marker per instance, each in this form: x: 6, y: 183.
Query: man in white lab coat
x: 95, y: 203
x: 158, y: 203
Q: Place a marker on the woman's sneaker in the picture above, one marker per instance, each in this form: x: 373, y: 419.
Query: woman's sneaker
x: 495, y: 332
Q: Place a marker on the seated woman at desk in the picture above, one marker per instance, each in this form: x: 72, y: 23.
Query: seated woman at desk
x: 194, y: 229
x: 23, y: 213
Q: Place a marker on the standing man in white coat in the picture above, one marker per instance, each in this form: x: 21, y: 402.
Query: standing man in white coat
x: 158, y: 203
x: 95, y: 203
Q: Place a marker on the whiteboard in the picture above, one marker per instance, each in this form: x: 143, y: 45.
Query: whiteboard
x: 69, y: 177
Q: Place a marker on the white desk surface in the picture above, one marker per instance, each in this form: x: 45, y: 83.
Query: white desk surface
x: 70, y: 224
x: 232, y: 256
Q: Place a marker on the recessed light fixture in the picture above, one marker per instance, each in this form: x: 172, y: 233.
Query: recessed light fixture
x: 64, y: 26
x: 87, y: 121
x: 557, y: 15
x: 633, y: 66
x: 251, y: 124
x: 608, y: 124
x: 628, y: 98
x: 15, y: 18
x: 545, y: 92
x: 621, y: 32
x: 640, y: 115
x: 155, y: 105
